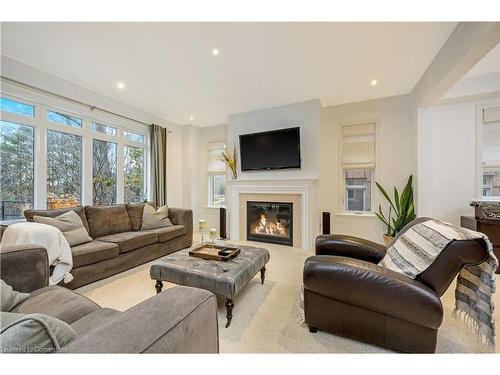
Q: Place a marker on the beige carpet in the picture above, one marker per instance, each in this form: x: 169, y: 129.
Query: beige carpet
x: 265, y: 317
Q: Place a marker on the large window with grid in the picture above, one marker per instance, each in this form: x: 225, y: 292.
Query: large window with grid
x: 55, y: 155
x: 357, y: 166
x: 489, y: 141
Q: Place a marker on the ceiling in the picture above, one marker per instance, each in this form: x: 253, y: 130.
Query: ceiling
x: 488, y: 64
x: 169, y: 69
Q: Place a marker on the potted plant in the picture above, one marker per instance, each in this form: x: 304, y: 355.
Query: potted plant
x: 401, y: 210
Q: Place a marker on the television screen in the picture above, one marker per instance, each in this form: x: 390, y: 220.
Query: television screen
x: 277, y: 149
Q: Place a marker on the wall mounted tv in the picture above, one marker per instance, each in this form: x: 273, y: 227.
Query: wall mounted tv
x: 277, y: 149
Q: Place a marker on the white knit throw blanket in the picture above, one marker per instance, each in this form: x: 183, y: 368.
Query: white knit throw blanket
x: 58, y: 250
x: 416, y: 249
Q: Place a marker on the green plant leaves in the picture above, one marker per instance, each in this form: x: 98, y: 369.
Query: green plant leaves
x: 404, y: 210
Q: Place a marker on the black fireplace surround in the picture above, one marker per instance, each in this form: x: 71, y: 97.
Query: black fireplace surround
x: 270, y: 222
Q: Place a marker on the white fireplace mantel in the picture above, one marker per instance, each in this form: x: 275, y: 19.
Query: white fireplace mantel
x: 306, y: 188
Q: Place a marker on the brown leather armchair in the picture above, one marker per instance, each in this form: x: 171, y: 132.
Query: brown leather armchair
x: 347, y: 293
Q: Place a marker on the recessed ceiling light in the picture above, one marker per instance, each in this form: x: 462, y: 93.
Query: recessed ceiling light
x: 215, y: 52
x: 374, y: 82
x: 191, y: 118
x: 120, y: 85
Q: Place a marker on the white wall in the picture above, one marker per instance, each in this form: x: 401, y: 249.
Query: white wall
x: 394, y: 162
x: 447, y: 161
x: 194, y: 171
x: 305, y: 115
x: 15, y: 70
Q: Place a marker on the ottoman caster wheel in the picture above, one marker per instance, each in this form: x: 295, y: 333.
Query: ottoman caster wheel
x: 313, y: 329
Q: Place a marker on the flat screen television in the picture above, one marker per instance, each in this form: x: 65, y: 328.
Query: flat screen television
x: 276, y: 149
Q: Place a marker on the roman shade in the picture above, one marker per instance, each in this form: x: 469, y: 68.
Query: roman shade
x: 491, y: 115
x: 358, y: 146
x: 214, y: 165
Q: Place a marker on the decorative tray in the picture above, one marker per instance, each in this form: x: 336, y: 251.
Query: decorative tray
x: 215, y: 252
x: 489, y: 210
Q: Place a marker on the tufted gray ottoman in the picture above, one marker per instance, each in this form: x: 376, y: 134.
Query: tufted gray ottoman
x: 225, y: 279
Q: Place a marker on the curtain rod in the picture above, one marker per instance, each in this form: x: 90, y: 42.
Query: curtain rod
x: 91, y: 107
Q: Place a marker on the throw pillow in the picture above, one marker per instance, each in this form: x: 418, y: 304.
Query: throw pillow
x: 152, y: 219
x: 71, y: 226
x: 33, y: 333
x: 11, y: 298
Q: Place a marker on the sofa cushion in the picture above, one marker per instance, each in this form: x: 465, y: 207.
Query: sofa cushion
x: 34, y: 333
x: 107, y: 220
x: 94, y: 320
x: 93, y: 252
x: 53, y: 213
x: 135, y: 215
x: 129, y: 241
x: 9, y: 297
x: 168, y: 233
x: 155, y: 218
x: 70, y: 224
x: 58, y: 302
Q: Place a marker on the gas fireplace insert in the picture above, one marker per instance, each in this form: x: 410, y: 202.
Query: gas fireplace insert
x: 270, y: 222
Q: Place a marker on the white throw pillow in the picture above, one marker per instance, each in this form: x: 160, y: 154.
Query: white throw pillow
x: 71, y: 226
x: 152, y: 219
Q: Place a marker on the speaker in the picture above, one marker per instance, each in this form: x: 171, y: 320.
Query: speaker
x: 326, y: 222
x: 222, y: 223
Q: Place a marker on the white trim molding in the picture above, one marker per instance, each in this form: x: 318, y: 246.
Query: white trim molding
x: 306, y: 188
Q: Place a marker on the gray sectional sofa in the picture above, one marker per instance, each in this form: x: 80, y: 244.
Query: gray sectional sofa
x: 118, y: 241
x: 178, y: 320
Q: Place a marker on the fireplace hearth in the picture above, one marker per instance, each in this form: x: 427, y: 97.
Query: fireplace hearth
x: 270, y: 222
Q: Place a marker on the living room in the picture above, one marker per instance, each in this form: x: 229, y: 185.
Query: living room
x: 249, y: 187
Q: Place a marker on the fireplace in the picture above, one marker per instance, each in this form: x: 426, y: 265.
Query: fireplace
x: 270, y: 222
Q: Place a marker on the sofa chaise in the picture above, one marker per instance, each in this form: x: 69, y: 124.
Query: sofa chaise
x: 178, y: 320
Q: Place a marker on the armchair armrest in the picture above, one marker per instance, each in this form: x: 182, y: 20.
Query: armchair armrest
x: 178, y: 320
x: 349, y: 246
x: 372, y: 287
x: 24, y: 267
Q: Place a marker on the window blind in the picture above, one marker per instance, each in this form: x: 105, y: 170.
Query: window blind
x: 215, y: 166
x: 358, y: 146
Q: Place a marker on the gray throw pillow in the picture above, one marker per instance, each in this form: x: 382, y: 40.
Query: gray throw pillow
x: 10, y: 298
x: 33, y: 333
x: 71, y: 226
x: 152, y: 219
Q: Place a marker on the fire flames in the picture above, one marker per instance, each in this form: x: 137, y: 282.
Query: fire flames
x: 272, y: 228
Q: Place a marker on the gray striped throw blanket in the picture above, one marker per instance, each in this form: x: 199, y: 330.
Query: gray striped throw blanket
x: 416, y: 249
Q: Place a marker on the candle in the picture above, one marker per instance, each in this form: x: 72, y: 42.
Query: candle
x: 202, y: 225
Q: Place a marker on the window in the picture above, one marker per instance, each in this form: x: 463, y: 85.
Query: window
x: 490, y: 153
x: 18, y: 108
x: 82, y: 159
x: 358, y: 189
x: 216, y: 174
x: 217, y: 190
x: 64, y: 169
x: 358, y: 164
x: 135, y: 137
x: 16, y: 169
x: 134, y: 174
x: 64, y: 119
x: 105, y: 129
x: 104, y: 173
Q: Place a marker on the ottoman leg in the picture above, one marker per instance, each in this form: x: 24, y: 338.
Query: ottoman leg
x: 262, y: 275
x: 158, y: 286
x: 229, y: 311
